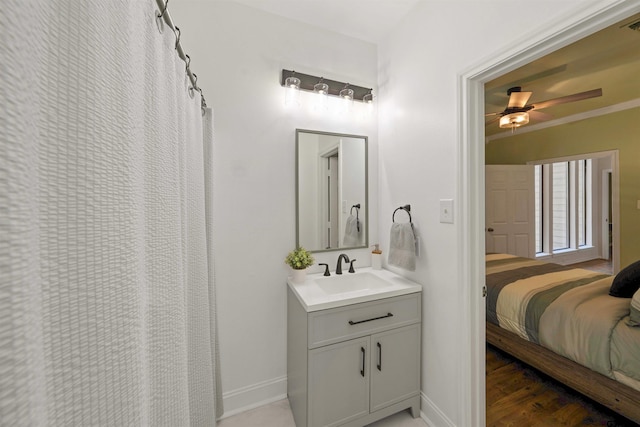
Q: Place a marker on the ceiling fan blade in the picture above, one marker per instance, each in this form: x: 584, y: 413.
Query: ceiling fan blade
x: 493, y: 114
x: 539, y: 116
x: 522, y: 81
x: 518, y: 99
x: 569, y: 98
x: 493, y: 120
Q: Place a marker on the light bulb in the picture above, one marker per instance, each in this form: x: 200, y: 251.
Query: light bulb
x: 292, y: 95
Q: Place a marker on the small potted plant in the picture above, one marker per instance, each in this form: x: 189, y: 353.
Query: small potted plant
x: 299, y: 259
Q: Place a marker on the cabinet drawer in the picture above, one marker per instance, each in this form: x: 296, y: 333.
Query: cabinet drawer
x: 339, y: 324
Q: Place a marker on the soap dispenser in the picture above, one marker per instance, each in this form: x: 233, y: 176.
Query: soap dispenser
x: 376, y: 257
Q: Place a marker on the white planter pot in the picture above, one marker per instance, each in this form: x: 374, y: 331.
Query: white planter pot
x: 298, y: 276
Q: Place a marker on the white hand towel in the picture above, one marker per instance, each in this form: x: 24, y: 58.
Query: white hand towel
x: 351, y: 233
x: 402, y: 249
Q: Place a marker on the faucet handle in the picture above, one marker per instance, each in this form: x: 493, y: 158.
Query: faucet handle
x: 351, y: 269
x: 326, y: 269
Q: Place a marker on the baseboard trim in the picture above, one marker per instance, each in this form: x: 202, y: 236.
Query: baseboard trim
x: 431, y: 414
x: 266, y: 392
x: 253, y: 396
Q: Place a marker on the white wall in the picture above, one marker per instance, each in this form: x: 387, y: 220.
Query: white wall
x: 238, y: 53
x: 418, y: 134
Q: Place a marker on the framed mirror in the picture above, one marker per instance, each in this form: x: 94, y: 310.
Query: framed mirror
x: 332, y: 209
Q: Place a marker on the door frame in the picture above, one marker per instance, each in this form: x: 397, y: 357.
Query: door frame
x: 323, y: 194
x: 581, y: 21
x: 606, y: 208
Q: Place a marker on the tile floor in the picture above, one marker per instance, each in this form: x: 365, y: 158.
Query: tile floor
x: 278, y: 414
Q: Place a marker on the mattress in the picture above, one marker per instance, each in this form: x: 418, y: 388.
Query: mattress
x: 625, y: 353
x: 566, y: 310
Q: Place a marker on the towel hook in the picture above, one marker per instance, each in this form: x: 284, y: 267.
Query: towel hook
x: 406, y: 208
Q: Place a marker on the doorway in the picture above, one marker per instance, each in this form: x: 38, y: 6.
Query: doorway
x: 471, y: 184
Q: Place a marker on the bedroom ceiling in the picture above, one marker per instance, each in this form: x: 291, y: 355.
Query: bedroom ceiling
x: 608, y: 59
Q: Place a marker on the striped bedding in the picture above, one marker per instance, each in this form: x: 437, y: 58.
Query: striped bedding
x: 567, y: 310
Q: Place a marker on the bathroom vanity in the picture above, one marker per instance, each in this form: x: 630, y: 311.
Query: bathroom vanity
x: 353, y: 348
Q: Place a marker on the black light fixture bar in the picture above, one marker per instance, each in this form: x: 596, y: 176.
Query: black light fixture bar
x: 307, y: 82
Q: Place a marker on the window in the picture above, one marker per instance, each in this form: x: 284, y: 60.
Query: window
x: 560, y: 205
x: 563, y: 205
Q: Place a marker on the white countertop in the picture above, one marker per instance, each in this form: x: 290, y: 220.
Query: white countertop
x: 314, y: 298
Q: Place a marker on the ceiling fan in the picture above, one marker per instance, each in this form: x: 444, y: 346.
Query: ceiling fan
x: 518, y: 111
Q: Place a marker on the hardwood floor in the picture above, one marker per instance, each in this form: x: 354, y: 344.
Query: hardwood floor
x: 599, y: 265
x: 519, y: 396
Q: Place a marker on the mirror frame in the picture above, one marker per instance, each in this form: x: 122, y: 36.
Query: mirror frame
x: 366, y: 187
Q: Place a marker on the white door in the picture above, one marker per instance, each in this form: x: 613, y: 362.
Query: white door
x: 510, y: 210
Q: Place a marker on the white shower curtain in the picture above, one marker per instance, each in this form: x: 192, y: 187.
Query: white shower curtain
x: 107, y: 302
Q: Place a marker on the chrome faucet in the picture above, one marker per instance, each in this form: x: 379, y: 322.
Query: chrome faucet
x: 339, y: 266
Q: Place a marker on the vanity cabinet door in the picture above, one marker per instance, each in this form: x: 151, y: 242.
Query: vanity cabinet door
x: 395, y: 366
x: 339, y: 382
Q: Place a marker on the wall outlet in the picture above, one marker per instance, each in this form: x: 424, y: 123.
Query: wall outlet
x: 446, y: 211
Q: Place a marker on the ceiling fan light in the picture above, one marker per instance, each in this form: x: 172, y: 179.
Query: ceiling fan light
x: 514, y: 120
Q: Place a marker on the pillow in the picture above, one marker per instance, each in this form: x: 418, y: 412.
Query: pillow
x: 634, y: 316
x: 626, y: 282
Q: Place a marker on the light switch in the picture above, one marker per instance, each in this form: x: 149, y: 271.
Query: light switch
x: 638, y: 206
x: 446, y: 211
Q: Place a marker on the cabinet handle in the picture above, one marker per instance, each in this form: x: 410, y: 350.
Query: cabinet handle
x: 351, y: 322
x: 379, y: 357
x: 363, y: 357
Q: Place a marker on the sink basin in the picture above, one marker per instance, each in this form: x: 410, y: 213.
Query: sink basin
x: 319, y: 292
x: 351, y: 283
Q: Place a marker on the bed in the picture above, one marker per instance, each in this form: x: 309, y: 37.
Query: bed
x: 562, y: 321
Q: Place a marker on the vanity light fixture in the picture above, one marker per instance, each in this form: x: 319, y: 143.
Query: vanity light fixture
x: 346, y: 93
x: 310, y: 83
x: 368, y: 98
x: 514, y: 120
x: 321, y: 88
x: 292, y: 84
x: 322, y: 95
x: 368, y: 102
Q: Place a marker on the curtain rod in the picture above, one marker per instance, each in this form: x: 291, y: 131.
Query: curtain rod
x: 164, y: 14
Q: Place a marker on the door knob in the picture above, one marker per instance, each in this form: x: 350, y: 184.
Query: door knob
x: 490, y: 230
